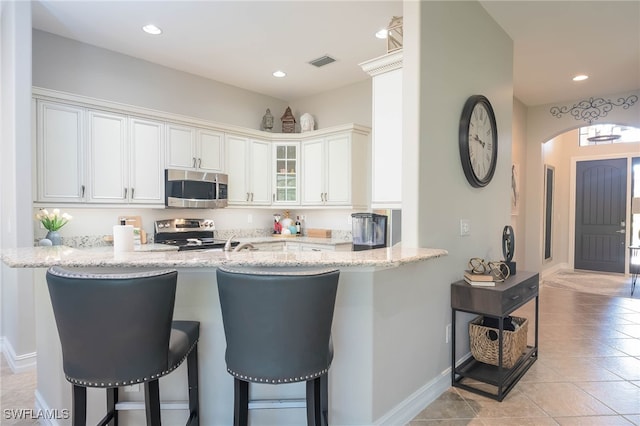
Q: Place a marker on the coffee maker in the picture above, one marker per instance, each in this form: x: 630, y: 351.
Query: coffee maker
x: 369, y: 231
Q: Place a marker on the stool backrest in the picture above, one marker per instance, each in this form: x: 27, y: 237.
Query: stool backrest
x: 277, y: 322
x: 114, y: 326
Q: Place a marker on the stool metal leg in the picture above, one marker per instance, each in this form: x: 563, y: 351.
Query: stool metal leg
x: 152, y: 402
x: 112, y: 400
x: 192, y: 374
x: 314, y: 409
x: 79, y: 406
x: 240, y: 402
x: 324, y: 399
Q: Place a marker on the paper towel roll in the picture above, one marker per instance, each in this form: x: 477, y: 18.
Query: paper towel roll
x: 122, y: 238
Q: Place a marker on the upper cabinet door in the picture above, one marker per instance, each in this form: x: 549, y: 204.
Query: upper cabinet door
x: 108, y: 154
x: 146, y: 173
x: 313, y: 172
x: 210, y: 150
x: 237, y: 156
x: 60, y: 151
x: 338, y: 171
x: 260, y: 172
x: 285, y: 170
x: 181, y: 147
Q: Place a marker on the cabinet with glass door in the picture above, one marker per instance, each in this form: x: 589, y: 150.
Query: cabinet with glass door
x: 286, y: 184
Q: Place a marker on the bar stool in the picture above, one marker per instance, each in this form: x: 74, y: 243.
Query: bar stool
x: 277, y: 324
x: 116, y: 329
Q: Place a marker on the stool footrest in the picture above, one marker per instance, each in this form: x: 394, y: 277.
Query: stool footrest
x: 265, y: 404
x: 169, y: 405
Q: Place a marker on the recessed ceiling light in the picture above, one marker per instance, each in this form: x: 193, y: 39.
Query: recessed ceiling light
x: 151, y: 29
x: 279, y: 74
x: 382, y: 33
x: 580, y: 77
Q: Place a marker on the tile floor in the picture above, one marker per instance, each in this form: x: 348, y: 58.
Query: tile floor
x: 588, y: 371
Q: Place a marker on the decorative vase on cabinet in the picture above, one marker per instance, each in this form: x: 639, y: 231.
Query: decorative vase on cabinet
x: 54, y: 237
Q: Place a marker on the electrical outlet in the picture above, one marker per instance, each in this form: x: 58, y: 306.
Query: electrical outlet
x: 465, y: 227
x: 132, y: 388
x: 447, y: 333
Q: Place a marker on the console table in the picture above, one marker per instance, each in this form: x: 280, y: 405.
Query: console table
x: 496, y: 302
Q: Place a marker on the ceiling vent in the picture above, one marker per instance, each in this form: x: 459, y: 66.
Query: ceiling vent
x: 322, y: 61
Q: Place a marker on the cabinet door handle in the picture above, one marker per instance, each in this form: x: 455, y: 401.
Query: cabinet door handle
x: 273, y: 198
x: 132, y: 189
x: 199, y: 162
x: 125, y: 192
x: 533, y: 287
x: 247, y: 197
x: 252, y: 197
x: 515, y: 297
x: 82, y: 187
x: 194, y: 162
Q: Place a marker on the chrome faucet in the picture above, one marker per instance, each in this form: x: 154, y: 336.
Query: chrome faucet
x: 242, y: 246
x: 227, y: 245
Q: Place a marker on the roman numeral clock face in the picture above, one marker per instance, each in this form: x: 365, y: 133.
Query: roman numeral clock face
x: 478, y: 139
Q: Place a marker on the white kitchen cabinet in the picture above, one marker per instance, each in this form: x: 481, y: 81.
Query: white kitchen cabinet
x: 192, y: 148
x: 60, y: 152
x: 125, y: 159
x: 108, y: 155
x: 95, y: 156
x: 286, y: 176
x: 386, y: 173
x: 146, y: 159
x: 249, y: 170
x: 333, y: 170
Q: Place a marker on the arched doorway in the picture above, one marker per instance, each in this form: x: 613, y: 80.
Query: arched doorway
x: 591, y: 216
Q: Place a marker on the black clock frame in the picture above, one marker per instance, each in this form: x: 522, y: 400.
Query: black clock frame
x: 463, y: 140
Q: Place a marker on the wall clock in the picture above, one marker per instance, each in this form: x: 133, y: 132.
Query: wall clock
x: 478, y: 139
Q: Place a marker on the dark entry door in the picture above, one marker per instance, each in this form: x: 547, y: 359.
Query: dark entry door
x: 601, y: 190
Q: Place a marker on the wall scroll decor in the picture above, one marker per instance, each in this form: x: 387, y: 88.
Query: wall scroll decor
x: 593, y: 108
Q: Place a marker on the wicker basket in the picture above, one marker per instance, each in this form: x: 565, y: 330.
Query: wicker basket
x: 486, y: 350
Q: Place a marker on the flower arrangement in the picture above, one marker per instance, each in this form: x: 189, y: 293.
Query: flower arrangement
x: 54, y: 220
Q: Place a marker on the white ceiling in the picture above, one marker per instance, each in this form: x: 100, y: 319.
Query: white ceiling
x: 242, y: 42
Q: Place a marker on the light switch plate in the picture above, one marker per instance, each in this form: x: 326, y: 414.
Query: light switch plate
x: 465, y: 227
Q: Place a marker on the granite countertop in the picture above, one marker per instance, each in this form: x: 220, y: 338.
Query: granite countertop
x: 43, y: 257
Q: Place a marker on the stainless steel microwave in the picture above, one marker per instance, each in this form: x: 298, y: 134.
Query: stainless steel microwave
x: 195, y: 190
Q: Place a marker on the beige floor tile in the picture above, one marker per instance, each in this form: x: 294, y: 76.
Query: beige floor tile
x: 627, y: 346
x: 633, y: 419
x: 448, y: 406
x: 516, y: 404
x: 516, y: 421
x: 626, y: 367
x: 470, y: 422
x: 622, y: 397
x: 564, y: 399
x: 593, y: 421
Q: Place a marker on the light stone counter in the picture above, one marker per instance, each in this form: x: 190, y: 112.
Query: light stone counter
x: 43, y: 257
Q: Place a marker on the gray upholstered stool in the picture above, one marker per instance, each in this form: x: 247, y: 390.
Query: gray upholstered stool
x: 116, y: 329
x: 277, y: 323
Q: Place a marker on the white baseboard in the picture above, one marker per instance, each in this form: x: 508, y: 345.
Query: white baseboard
x: 404, y: 412
x: 552, y: 270
x: 43, y: 407
x: 17, y: 363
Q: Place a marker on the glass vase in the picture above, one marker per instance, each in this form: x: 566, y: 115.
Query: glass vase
x: 54, y: 237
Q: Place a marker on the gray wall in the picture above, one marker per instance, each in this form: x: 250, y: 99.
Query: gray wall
x: 70, y: 66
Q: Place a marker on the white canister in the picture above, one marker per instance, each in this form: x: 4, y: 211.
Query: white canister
x: 122, y: 238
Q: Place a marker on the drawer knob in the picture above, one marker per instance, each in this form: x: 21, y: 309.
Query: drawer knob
x: 515, y: 297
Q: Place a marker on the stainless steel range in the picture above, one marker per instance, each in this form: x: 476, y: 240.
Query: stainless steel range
x: 188, y: 234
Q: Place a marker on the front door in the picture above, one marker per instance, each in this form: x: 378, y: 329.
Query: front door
x: 601, y: 191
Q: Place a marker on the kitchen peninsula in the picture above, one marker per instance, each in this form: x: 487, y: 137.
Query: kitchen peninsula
x: 379, y: 333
